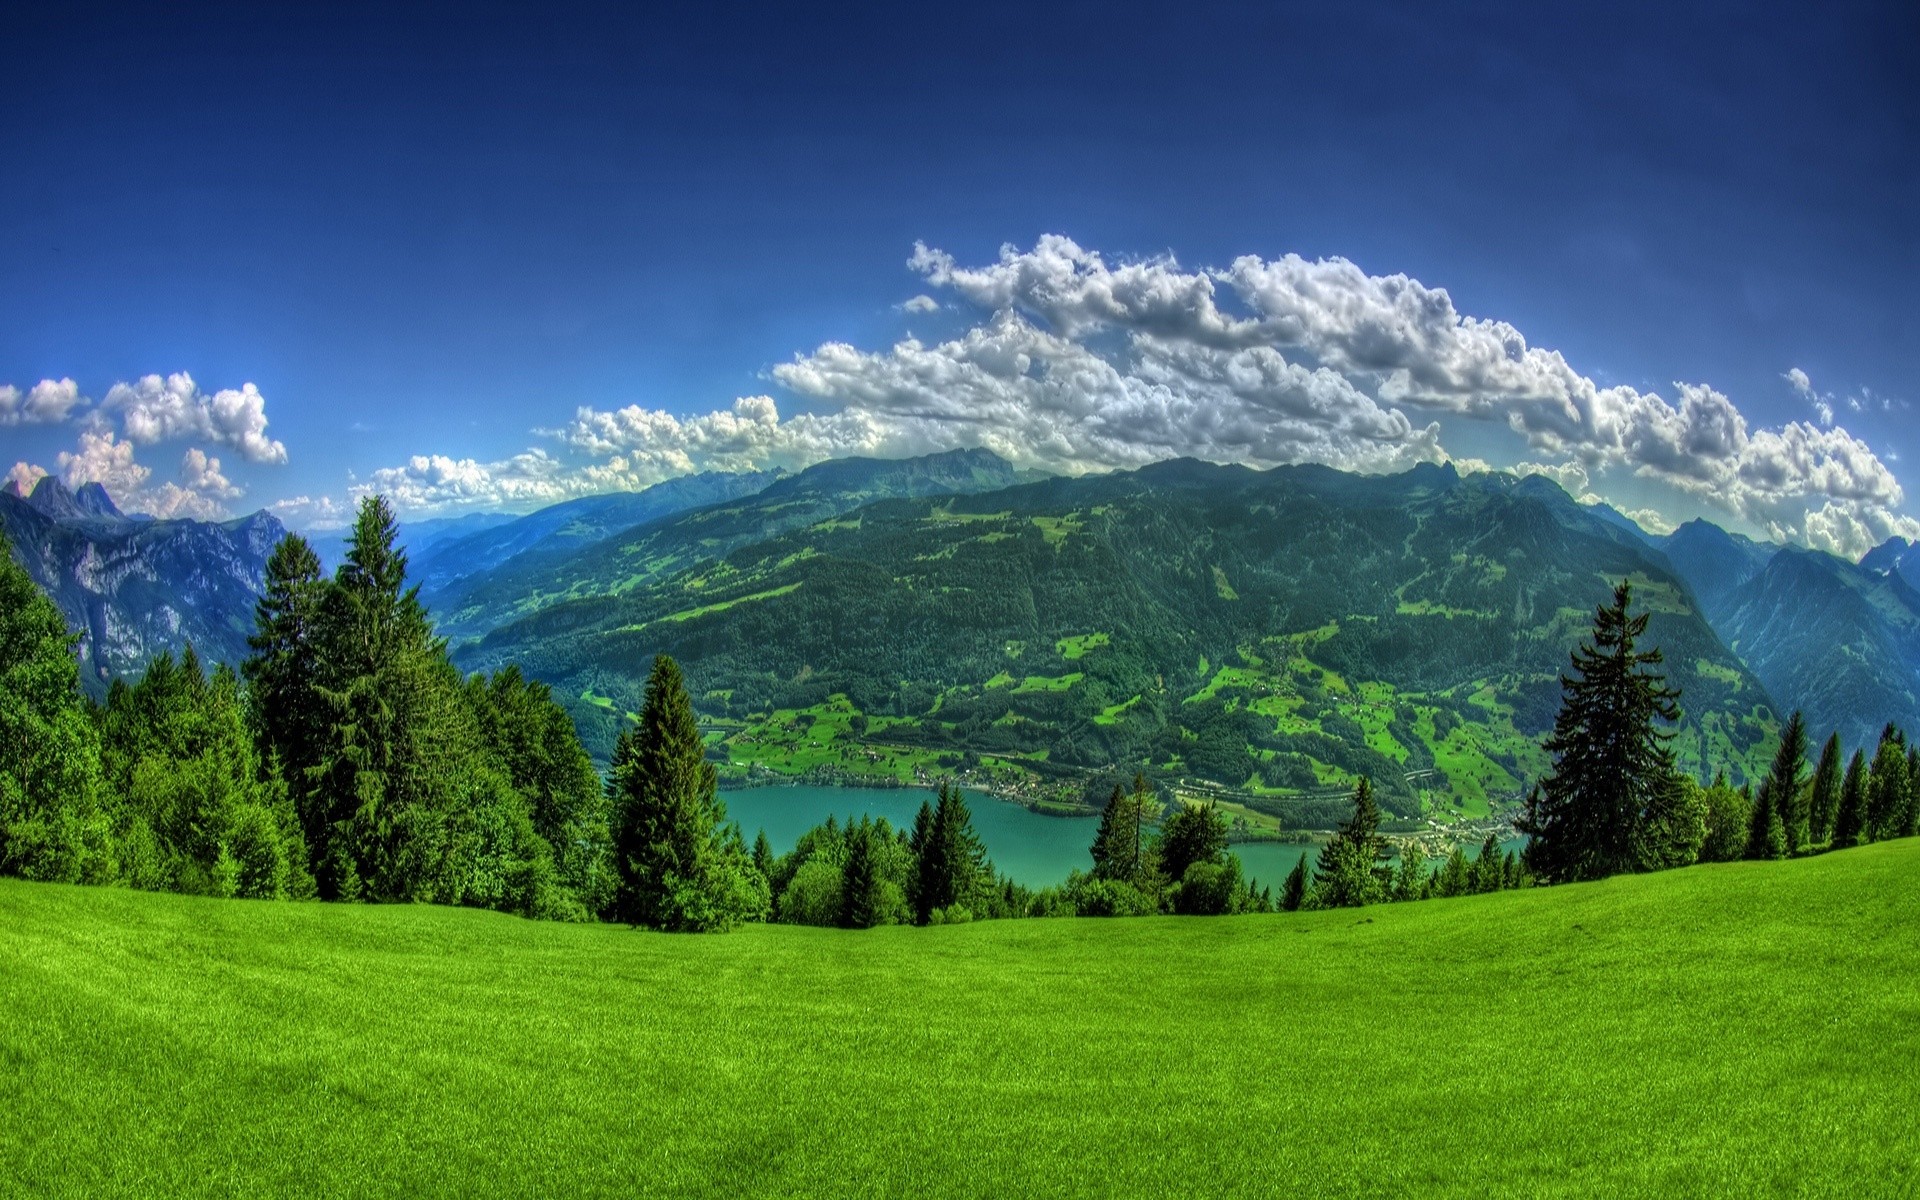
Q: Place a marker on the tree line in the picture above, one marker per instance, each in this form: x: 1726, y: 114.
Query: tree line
x: 350, y: 760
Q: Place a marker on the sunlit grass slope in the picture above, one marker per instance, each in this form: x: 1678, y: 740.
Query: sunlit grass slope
x: 1752, y: 1028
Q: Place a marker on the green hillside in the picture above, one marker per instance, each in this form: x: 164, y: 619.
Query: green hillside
x: 1276, y: 633
x: 1741, y: 1029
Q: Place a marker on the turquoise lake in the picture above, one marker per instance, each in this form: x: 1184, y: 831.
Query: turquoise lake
x: 1033, y: 849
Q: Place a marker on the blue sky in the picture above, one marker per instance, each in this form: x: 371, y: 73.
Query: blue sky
x: 442, y: 235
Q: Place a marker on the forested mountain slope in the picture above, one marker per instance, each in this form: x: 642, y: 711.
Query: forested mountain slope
x: 675, y: 539
x: 561, y: 529
x: 1841, y: 640
x: 134, y: 586
x: 1278, y: 632
x: 1837, y: 640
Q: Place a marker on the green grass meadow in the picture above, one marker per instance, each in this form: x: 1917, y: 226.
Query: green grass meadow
x: 1750, y: 1028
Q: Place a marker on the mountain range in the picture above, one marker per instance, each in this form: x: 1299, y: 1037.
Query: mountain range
x: 1268, y: 633
x: 133, y: 586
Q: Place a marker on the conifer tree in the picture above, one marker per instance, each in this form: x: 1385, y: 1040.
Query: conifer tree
x: 680, y: 865
x: 1783, y: 791
x: 860, y: 903
x: 1410, y: 881
x: 1293, y: 893
x: 1120, y: 847
x: 763, y: 855
x: 284, y: 673
x: 1823, y: 797
x: 1115, y: 847
x: 1489, y: 870
x: 951, y: 864
x: 1610, y: 801
x: 1887, y: 786
x: 1767, y: 834
x: 52, y: 825
x: 1850, y: 819
x: 1455, y: 877
x: 1347, y: 874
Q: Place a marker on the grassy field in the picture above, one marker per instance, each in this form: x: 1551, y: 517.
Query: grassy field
x: 1743, y: 1029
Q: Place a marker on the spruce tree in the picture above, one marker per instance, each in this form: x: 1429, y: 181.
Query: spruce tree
x: 1823, y: 798
x: 1293, y: 893
x: 1456, y: 875
x: 1347, y: 874
x: 1887, y: 787
x: 860, y: 904
x: 1489, y: 870
x: 1410, y: 879
x: 1609, y: 803
x: 680, y: 865
x: 284, y: 673
x: 1783, y: 791
x: 1850, y: 819
x: 951, y: 865
x: 1109, y: 857
x: 1767, y: 834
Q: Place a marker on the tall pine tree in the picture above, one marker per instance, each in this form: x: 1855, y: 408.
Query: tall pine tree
x: 1887, y: 786
x: 1609, y: 804
x: 1783, y: 791
x: 283, y: 674
x: 1823, y: 798
x: 680, y: 866
x: 1348, y: 873
x: 1850, y: 819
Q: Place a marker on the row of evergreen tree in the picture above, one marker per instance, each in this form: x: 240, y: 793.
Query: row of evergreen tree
x: 350, y: 760
x: 1615, y: 800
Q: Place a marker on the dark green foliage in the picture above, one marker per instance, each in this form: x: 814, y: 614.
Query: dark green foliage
x: 1211, y: 888
x: 1887, y: 787
x: 51, y: 823
x: 1823, y: 795
x: 1348, y: 873
x: 1410, y: 878
x: 680, y: 866
x: 546, y: 764
x: 1729, y: 818
x: 283, y: 675
x: 1783, y: 793
x: 196, y: 812
x: 951, y: 866
x: 911, y: 602
x: 1610, y: 802
x: 1195, y: 833
x: 1766, y: 829
x: 1455, y: 877
x: 1293, y: 893
x: 1489, y: 870
x: 1121, y: 849
x: 1850, y: 820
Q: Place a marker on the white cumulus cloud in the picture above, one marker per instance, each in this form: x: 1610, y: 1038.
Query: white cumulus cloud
x: 45, y: 403
x: 25, y: 476
x: 153, y: 409
x: 1075, y: 363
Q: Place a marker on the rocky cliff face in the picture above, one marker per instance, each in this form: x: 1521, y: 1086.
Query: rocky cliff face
x: 133, y: 586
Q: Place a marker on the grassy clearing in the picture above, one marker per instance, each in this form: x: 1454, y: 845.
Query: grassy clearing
x: 1740, y: 1029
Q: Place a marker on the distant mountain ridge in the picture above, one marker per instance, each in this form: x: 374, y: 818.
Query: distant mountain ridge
x: 682, y: 536
x: 134, y: 586
x: 1282, y: 630
x: 1838, y: 640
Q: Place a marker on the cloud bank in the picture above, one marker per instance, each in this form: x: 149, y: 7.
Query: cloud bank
x: 1072, y: 363
x: 148, y: 412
